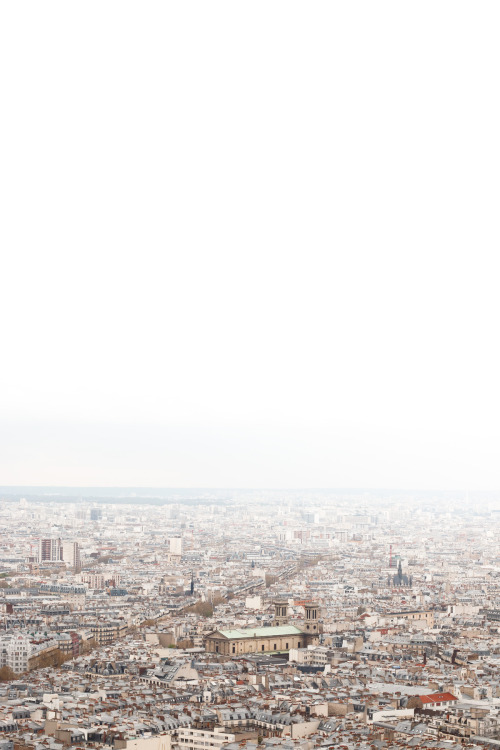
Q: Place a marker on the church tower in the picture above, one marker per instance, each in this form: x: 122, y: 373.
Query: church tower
x: 311, y: 624
x: 280, y: 613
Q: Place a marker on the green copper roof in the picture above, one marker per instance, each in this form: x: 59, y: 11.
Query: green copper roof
x: 267, y: 632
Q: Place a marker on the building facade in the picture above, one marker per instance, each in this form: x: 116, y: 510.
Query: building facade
x: 270, y: 639
x: 71, y: 554
x: 49, y: 550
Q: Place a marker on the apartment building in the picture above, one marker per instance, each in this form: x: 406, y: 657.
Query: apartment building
x: 201, y: 739
x: 107, y: 632
x: 15, y: 651
x: 49, y: 550
x: 423, y: 616
x: 93, y: 580
x: 71, y: 554
x: 318, y: 655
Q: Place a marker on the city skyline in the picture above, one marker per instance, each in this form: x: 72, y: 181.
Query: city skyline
x: 249, y: 379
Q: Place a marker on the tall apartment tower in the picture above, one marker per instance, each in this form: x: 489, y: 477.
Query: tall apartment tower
x: 71, y: 554
x: 49, y: 550
x: 176, y: 545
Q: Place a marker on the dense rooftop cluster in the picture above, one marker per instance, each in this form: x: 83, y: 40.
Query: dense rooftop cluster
x: 105, y: 645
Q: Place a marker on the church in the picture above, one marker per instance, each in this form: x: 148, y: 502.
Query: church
x: 277, y: 638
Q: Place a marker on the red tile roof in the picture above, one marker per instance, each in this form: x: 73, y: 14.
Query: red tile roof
x: 438, y: 698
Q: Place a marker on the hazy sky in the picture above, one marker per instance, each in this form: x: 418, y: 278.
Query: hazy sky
x: 250, y: 244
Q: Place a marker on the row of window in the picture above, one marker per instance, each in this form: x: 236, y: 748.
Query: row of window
x: 263, y: 648
x: 200, y: 742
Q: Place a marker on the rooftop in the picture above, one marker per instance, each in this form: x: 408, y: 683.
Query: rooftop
x: 264, y: 632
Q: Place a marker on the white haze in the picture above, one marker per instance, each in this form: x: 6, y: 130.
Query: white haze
x: 250, y: 244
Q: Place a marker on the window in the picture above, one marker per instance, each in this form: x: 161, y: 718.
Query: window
x: 298, y: 644
x: 286, y: 645
x: 234, y: 649
x: 263, y: 647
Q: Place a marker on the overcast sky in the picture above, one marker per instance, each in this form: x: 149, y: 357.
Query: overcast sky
x: 250, y: 244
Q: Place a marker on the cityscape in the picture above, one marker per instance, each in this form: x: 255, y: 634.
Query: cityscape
x: 203, y: 620
x: 249, y: 384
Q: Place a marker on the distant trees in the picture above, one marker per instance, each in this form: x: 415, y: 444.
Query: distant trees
x: 201, y: 608
x: 60, y: 658
x: 87, y: 646
x: 52, y: 658
x: 7, y: 674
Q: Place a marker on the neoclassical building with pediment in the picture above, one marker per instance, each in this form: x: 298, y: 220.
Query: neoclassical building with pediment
x: 269, y: 639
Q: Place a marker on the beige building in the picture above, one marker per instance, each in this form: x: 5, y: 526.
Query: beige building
x: 256, y: 640
x: 423, y: 616
x: 107, y: 632
x: 265, y: 640
x: 199, y: 739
